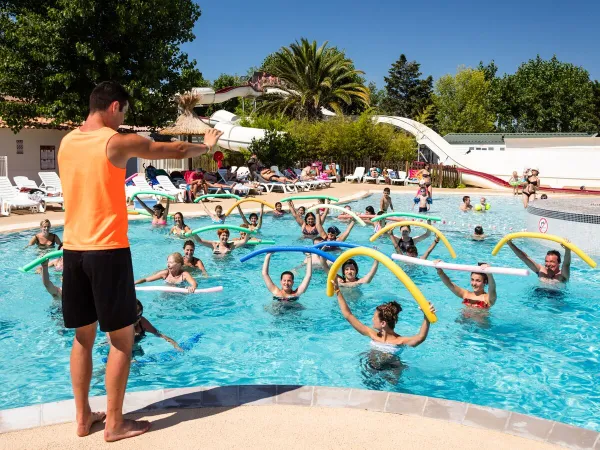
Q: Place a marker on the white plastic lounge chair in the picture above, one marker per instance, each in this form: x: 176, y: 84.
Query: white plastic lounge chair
x: 11, y: 198
x: 400, y: 178
x: 236, y: 188
x: 312, y: 184
x: 272, y: 186
x: 166, y: 185
x: 299, y: 184
x: 50, y: 182
x: 369, y: 178
x: 139, y: 184
x: 357, y: 176
x: 24, y: 182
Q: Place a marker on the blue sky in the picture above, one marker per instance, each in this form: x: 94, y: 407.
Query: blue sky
x: 233, y: 35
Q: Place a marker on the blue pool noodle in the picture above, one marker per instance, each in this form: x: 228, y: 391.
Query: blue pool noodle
x: 288, y: 249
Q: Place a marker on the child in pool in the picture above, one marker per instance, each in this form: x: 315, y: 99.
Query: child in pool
x: 279, y: 212
x: 515, y: 182
x: 478, y: 234
x: 159, y: 212
x: 422, y: 199
x: 173, y: 274
x: 386, y: 201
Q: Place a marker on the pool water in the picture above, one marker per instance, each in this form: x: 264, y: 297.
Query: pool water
x: 536, y: 351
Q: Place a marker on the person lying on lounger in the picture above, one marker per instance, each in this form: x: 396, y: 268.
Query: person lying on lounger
x: 270, y: 176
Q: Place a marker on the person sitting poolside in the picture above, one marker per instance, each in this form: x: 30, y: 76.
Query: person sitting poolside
x: 180, y: 228
x: 173, y: 274
x: 551, y: 270
x: 478, y: 234
x: 466, y: 204
x: 477, y: 298
x: 349, y: 277
x: 413, y: 252
x: 286, y: 293
x: 189, y: 260
x: 222, y: 246
x: 45, y: 239
x: 384, y: 323
x: 143, y: 325
x: 196, y: 183
x: 158, y: 212
x: 255, y: 221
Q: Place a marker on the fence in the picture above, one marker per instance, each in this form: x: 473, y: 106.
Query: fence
x: 441, y: 175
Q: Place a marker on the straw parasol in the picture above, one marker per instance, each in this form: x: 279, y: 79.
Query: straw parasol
x: 188, y: 123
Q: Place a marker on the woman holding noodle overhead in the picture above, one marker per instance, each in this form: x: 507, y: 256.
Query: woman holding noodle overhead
x: 286, y: 293
x: 477, y: 298
x: 349, y: 277
x: 158, y: 212
x: 402, y: 243
x: 333, y: 233
x: 217, y: 216
x: 222, y: 246
x: 173, y: 274
x: 383, y: 337
x: 255, y: 222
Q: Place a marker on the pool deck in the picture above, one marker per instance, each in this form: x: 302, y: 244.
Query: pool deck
x: 24, y: 220
x: 294, y: 417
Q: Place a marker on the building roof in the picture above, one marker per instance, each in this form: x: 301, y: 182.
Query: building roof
x: 43, y: 123
x: 498, y: 138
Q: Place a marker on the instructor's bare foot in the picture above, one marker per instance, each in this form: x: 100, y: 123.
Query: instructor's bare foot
x: 83, y: 428
x: 127, y: 429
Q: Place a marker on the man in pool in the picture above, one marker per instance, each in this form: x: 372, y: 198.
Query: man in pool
x: 98, y: 273
x: 551, y: 270
x: 466, y: 204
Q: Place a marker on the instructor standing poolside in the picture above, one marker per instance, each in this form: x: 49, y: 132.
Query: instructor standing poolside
x: 98, y: 273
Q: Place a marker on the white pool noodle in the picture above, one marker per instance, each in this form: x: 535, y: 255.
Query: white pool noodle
x: 461, y: 267
x: 178, y: 289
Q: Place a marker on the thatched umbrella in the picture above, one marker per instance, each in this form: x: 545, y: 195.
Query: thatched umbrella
x: 188, y: 123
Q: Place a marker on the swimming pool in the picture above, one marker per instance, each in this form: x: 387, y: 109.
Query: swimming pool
x: 536, y: 351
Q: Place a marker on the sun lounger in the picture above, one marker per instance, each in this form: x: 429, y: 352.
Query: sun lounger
x: 357, y: 176
x: 166, y: 185
x: 399, y: 178
x: 50, y: 182
x: 24, y: 184
x: 236, y: 188
x: 11, y: 198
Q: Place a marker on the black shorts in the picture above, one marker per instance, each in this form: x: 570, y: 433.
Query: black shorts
x: 422, y: 209
x: 98, y: 286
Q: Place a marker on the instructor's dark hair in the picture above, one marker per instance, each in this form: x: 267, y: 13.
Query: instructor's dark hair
x: 107, y: 92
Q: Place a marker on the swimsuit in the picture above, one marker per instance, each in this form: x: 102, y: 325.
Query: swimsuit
x: 219, y: 221
x: 172, y: 281
x: 475, y: 303
x: 50, y: 245
x: 386, y: 348
x: 423, y: 209
x: 216, y: 250
x: 138, y: 336
x: 286, y: 299
x: 313, y: 232
x: 403, y: 245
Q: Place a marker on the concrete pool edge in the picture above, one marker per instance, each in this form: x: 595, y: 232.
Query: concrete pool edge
x: 467, y: 414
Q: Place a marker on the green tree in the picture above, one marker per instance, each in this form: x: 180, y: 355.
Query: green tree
x: 276, y: 148
x: 546, y: 96
x: 54, y: 52
x: 596, y: 90
x: 377, y: 97
x: 224, y: 80
x: 313, y: 77
x: 407, y: 94
x: 462, y: 103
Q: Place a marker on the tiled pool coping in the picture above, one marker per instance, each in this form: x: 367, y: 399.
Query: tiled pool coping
x: 467, y: 414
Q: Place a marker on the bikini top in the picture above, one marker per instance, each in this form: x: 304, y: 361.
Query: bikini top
x: 403, y: 245
x: 387, y: 348
x: 286, y: 299
x: 475, y: 303
x: 216, y: 250
x: 52, y: 242
x: 312, y: 232
x: 174, y: 280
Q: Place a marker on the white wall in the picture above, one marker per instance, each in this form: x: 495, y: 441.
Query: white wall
x: 27, y: 164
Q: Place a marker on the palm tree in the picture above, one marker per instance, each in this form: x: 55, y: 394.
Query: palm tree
x: 312, y: 78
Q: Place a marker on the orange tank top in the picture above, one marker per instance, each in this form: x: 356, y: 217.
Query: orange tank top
x: 93, y: 192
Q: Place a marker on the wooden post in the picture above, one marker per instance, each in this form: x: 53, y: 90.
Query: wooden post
x: 441, y: 175
x: 190, y: 163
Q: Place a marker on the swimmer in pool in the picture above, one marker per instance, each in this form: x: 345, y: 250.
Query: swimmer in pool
x: 158, y: 212
x: 551, y: 271
x: 466, y: 204
x: 254, y: 221
x: 384, y: 322
x: 402, y: 243
x: 477, y: 298
x: 422, y: 199
x: 478, y: 234
x: 300, y: 212
x: 189, y: 260
x: 413, y: 251
x: 286, y: 293
x: 217, y: 216
x: 45, y: 239
x: 180, y: 228
x: 350, y: 274
x: 222, y: 246
x: 308, y: 225
x: 173, y: 274
x: 333, y: 233
x: 143, y: 325
x: 279, y: 212
x: 386, y: 201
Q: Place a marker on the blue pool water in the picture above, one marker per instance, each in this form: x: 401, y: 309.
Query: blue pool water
x: 536, y: 351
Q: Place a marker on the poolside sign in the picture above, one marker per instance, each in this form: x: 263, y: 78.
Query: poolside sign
x: 543, y: 225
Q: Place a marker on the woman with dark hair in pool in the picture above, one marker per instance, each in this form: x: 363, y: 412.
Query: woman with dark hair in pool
x: 308, y: 225
x: 477, y: 298
x: 349, y: 277
x: 189, y: 260
x: 383, y: 337
x: 255, y: 221
x: 333, y: 233
x: 279, y: 212
x: 180, y: 228
x: 158, y: 212
x: 286, y: 293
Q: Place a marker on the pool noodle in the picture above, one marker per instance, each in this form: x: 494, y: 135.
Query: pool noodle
x: 461, y: 267
x: 310, y: 197
x: 335, y: 244
x: 218, y: 227
x: 158, y: 193
x: 402, y: 214
x: 36, y: 262
x: 287, y: 249
x: 237, y: 197
x: 178, y: 290
x: 339, y: 208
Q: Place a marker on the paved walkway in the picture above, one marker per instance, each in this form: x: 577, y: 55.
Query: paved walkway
x: 278, y: 427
